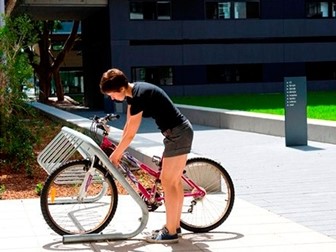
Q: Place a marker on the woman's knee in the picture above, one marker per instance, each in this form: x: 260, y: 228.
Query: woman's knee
x: 170, y: 182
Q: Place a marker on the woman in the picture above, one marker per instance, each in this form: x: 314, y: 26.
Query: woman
x: 148, y: 100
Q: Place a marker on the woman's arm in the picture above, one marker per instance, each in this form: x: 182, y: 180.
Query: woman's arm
x: 130, y: 129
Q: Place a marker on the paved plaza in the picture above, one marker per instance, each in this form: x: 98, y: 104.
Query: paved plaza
x: 285, y: 200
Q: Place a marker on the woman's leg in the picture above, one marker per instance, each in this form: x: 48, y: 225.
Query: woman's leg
x: 172, y: 169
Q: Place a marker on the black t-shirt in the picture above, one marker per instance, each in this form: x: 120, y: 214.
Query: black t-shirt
x: 155, y: 103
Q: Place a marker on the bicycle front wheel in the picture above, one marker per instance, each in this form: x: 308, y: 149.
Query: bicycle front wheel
x: 65, y: 212
x: 202, y: 214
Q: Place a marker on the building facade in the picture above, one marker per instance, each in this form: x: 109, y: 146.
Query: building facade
x: 206, y: 47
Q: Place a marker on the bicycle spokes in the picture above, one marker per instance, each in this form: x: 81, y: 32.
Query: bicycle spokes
x: 209, y: 195
x: 73, y: 204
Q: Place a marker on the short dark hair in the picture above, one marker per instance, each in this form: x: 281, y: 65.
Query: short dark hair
x: 112, y: 81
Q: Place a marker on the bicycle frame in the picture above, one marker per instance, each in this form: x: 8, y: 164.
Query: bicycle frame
x: 149, y: 194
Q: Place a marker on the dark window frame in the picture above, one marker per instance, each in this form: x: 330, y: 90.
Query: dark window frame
x: 214, y: 10
x: 313, y: 9
x: 235, y: 73
x: 150, y: 10
x: 158, y: 75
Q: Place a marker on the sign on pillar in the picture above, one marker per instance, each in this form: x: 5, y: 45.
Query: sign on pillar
x: 295, y: 111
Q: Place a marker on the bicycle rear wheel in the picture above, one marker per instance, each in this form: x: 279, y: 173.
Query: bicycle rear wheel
x: 206, y: 213
x: 62, y: 210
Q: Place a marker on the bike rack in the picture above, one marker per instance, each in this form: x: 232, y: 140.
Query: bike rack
x: 60, y: 149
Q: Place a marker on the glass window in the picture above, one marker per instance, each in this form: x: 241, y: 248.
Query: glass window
x: 72, y: 82
x: 241, y: 73
x: 136, y: 10
x: 324, y: 9
x: 320, y: 9
x: 211, y: 10
x: 155, y: 75
x: 218, y: 10
x: 239, y: 9
x: 224, y: 10
x: 150, y: 10
x: 163, y: 10
x: 321, y: 70
x: 252, y: 9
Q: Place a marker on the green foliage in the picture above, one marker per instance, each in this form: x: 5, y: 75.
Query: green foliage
x: 2, y: 190
x: 14, y: 68
x: 16, y: 142
x: 38, y: 188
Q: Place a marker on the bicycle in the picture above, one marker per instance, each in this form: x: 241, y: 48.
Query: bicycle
x: 81, y: 187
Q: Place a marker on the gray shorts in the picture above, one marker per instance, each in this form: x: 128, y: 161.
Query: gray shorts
x: 178, y: 140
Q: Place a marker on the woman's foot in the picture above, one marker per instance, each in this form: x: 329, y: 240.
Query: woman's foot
x: 162, y: 236
x: 178, y: 231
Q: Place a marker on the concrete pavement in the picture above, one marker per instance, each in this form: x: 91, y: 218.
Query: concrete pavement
x: 285, y: 201
x: 249, y: 228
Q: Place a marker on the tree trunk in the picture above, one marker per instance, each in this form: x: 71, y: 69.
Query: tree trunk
x: 45, y: 87
x: 10, y: 4
x: 60, y: 58
x: 58, y: 85
x: 43, y: 70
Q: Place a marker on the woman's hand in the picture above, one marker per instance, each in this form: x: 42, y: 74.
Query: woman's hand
x: 115, y: 157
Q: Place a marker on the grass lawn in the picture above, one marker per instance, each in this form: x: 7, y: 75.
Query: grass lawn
x: 320, y: 105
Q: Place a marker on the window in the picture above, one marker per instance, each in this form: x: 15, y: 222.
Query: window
x: 239, y: 10
x: 232, y: 9
x: 155, y: 75
x: 320, y: 9
x: 150, y: 10
x: 321, y: 70
x: 218, y: 10
x: 72, y: 81
x: 163, y: 10
x: 136, y: 11
x: 234, y: 73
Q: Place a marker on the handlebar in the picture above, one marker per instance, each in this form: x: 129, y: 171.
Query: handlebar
x: 101, y: 122
x: 104, y: 120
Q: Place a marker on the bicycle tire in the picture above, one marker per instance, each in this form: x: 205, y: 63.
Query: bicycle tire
x: 64, y: 213
x: 200, y: 215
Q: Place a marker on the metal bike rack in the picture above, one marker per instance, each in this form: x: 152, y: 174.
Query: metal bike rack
x: 60, y: 149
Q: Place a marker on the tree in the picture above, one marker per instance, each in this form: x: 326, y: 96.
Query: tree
x: 47, y: 65
x: 14, y: 67
x: 15, y: 140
